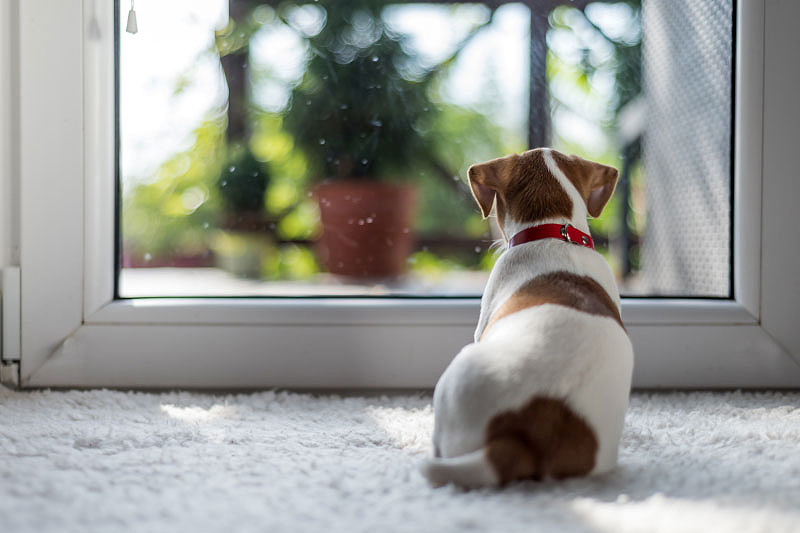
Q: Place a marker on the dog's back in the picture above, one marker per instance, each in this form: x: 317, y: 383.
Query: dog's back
x: 530, y: 409
x: 543, y: 391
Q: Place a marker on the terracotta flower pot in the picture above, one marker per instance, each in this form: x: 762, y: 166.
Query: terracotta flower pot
x: 366, y: 228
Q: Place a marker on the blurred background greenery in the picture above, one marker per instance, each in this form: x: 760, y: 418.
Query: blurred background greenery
x: 362, y: 96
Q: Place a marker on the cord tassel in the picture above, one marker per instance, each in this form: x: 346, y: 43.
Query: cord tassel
x: 131, y: 27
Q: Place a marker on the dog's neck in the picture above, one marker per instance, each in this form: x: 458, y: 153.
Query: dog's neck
x: 512, y: 227
x: 579, y: 211
x: 509, y: 273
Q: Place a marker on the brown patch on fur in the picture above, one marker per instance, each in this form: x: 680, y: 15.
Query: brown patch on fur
x: 487, y: 180
x: 522, y: 186
x: 594, y: 182
x: 562, y: 288
x: 533, y: 193
x: 574, y: 171
x: 544, y: 438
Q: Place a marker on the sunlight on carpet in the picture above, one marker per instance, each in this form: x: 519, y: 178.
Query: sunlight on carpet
x: 276, y: 461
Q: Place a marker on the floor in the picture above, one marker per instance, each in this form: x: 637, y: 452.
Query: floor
x: 274, y: 461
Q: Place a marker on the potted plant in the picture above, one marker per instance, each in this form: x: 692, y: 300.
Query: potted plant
x: 242, y: 241
x: 359, y: 114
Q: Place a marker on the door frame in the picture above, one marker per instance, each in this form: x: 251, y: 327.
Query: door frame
x: 74, y: 333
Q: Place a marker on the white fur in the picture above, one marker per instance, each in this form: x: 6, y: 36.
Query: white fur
x: 537, y: 352
x: 470, y: 470
x: 579, y: 210
x: 548, y: 350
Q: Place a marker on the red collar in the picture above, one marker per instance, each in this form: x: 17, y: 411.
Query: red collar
x: 564, y: 232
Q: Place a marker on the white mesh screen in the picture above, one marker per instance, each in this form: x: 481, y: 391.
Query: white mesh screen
x: 687, y: 56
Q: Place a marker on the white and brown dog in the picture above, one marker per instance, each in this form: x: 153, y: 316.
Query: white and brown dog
x: 542, y: 392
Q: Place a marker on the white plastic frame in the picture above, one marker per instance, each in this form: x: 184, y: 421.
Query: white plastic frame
x: 75, y: 334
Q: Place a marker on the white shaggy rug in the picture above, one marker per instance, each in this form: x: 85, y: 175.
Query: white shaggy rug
x: 274, y: 462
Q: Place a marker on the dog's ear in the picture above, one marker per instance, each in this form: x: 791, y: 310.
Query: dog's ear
x: 488, y: 179
x: 603, y: 183
x: 594, y: 181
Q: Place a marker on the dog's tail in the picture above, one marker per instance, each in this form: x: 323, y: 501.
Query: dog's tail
x: 470, y: 471
x: 545, y: 438
x: 500, y: 461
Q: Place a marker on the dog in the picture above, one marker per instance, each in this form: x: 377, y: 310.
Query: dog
x: 543, y: 390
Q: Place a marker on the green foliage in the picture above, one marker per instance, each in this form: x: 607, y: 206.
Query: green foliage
x: 362, y: 107
x: 300, y: 222
x: 254, y: 256
x: 458, y: 137
x: 437, y: 266
x: 290, y: 262
x: 172, y: 213
x: 603, y: 55
x: 430, y: 265
x: 488, y: 259
x: 624, y: 62
x: 242, y: 182
x: 235, y: 37
x: 242, y: 254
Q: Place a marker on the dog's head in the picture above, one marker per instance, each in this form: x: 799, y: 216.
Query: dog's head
x: 541, y: 184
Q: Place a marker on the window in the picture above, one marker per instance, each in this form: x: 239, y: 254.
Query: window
x: 74, y: 331
x: 300, y: 149
x: 316, y: 148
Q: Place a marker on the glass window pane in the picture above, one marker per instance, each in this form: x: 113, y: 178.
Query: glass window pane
x: 297, y: 149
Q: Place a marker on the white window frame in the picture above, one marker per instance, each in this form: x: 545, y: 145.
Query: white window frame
x: 73, y: 332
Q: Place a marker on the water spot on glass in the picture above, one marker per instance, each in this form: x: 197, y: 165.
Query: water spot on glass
x: 477, y: 249
x: 360, y: 221
x: 405, y: 230
x: 308, y: 102
x: 205, y: 225
x: 254, y: 173
x: 309, y: 194
x: 375, y: 59
x: 224, y: 183
x: 148, y: 257
x: 377, y: 123
x: 411, y: 260
x: 231, y: 168
x: 343, y: 107
x: 455, y: 178
x: 425, y: 108
x: 369, y: 220
x: 325, y: 77
x: 322, y: 141
x: 364, y: 161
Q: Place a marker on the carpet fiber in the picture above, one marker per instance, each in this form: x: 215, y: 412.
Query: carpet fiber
x: 181, y: 462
